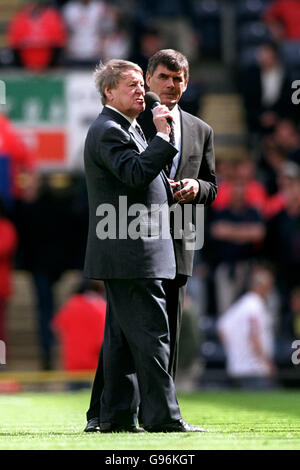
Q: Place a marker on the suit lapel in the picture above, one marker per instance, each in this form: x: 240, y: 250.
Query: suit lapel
x: 139, y: 142
x: 187, y: 140
x: 138, y: 139
x: 116, y: 117
x: 168, y: 187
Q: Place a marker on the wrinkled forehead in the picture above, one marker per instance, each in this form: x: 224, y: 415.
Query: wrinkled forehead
x: 132, y: 74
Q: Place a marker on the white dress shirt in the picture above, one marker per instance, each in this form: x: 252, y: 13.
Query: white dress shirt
x: 271, y: 85
x: 177, y: 134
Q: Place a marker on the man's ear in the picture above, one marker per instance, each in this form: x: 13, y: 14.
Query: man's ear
x: 185, y: 85
x: 108, y: 94
x: 148, y: 76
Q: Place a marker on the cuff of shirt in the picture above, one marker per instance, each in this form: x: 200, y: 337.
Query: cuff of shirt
x: 163, y: 136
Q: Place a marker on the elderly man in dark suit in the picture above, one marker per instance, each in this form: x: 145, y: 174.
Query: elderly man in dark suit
x: 124, y: 177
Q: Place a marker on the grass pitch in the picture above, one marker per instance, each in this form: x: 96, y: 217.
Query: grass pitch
x: 234, y: 420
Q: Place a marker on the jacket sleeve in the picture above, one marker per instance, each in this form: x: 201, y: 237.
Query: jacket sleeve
x: 207, y: 175
x: 117, y: 153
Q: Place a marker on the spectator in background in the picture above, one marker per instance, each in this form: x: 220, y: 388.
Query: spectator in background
x: 236, y: 233
x: 282, y: 244
x: 278, y: 202
x: 88, y: 22
x: 79, y: 324
x: 287, y: 137
x: 46, y: 229
x: 266, y: 89
x: 8, y: 245
x: 283, y: 19
x: 272, y: 161
x: 149, y: 43
x: 246, y: 333
x: 37, y: 34
x: 294, y: 314
x: 225, y: 168
x: 118, y: 42
x: 174, y: 21
x: 244, y: 170
x: 15, y: 161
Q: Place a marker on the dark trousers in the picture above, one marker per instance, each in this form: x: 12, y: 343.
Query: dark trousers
x: 136, y: 351
x: 174, y: 292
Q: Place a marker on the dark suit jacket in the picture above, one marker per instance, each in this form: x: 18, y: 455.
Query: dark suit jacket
x: 197, y: 161
x: 252, y: 90
x: 114, y: 168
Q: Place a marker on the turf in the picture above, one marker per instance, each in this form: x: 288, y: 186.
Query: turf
x: 234, y: 420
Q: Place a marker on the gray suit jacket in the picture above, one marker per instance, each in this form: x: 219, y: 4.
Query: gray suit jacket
x: 197, y: 161
x: 117, y: 177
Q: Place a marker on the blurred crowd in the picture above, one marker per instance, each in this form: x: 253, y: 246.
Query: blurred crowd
x: 255, y: 220
x: 45, y: 33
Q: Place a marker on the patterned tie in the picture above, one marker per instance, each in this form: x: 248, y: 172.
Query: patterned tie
x: 172, y: 134
x: 140, y: 132
x: 168, y: 167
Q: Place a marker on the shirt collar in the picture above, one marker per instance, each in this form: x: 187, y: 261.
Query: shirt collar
x: 175, y: 113
x: 130, y: 120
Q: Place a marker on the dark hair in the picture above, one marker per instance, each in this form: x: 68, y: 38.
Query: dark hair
x: 172, y: 59
x: 271, y: 45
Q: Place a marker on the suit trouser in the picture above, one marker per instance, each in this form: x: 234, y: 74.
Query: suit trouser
x: 136, y: 352
x: 175, y: 292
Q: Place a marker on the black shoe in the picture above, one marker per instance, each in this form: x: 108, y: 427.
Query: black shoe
x: 93, y: 425
x: 112, y: 427
x: 175, y: 426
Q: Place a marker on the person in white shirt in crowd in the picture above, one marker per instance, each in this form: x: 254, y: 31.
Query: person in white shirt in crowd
x: 94, y: 31
x: 246, y: 332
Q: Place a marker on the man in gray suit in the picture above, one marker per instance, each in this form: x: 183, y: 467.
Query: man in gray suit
x: 194, y: 165
x: 124, y: 178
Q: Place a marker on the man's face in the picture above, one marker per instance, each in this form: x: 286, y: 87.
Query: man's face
x: 128, y: 97
x: 168, y: 85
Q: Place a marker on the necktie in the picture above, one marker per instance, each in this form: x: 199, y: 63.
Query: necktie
x: 172, y: 134
x: 172, y: 141
x: 140, y: 132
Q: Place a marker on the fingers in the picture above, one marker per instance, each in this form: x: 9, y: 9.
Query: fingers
x: 174, y: 184
x: 160, y: 115
x: 162, y: 112
x: 188, y: 192
x: 184, y: 198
